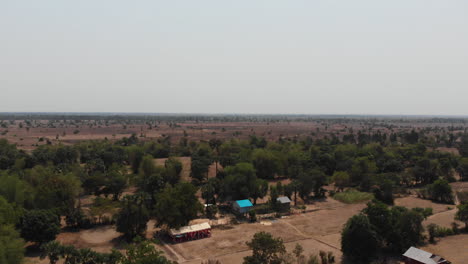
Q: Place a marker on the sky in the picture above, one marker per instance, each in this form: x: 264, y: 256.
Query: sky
x: 244, y: 56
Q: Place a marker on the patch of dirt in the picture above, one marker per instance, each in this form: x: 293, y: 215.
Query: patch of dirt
x: 444, y: 219
x: 413, y: 202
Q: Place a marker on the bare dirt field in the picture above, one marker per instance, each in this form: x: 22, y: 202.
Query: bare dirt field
x: 27, y: 137
x: 443, y: 214
x: 413, y: 202
x: 317, y: 230
x: 453, y: 248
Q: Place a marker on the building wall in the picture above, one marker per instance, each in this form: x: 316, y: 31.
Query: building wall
x: 412, y: 261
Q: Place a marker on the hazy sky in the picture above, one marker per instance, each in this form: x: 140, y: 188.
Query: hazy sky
x: 242, y: 56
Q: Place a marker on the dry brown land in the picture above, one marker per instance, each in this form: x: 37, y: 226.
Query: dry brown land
x: 60, y: 132
x: 453, y: 248
x: 319, y: 229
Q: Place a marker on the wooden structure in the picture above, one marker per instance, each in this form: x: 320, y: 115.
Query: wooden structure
x: 192, y: 232
x: 284, y: 203
x: 418, y: 256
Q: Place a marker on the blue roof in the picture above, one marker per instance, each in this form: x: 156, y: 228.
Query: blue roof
x: 244, y: 203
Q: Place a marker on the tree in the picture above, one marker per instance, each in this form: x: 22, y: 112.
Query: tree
x: 40, y: 226
x: 173, y: 169
x: 133, y: 217
x: 201, y: 161
x: 432, y: 230
x: 409, y: 228
x: 177, y: 206
x: 440, y: 191
x: 11, y: 245
x: 463, y: 146
x: 274, y: 198
x: 240, y: 182
x: 380, y: 218
x: 260, y: 190
x: 116, y: 181
x: 266, y: 249
x: 266, y: 163
x: 463, y: 168
x: 75, y: 218
x: 462, y: 214
x: 8, y: 214
x: 210, y: 190
x: 144, y: 253
x: 359, y: 240
x: 341, y: 179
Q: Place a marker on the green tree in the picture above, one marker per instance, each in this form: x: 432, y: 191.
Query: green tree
x: 240, y: 182
x: 341, y: 180
x: 266, y: 163
x: 39, y: 226
x: 201, y: 161
x: 462, y: 214
x: 133, y: 217
x: 463, y: 168
x: 144, y: 253
x: 11, y: 245
x: 173, y: 169
x: 211, y: 190
x: 266, y: 249
x: 432, y: 230
x: 260, y: 190
x: 359, y: 240
x: 440, y: 191
x: 177, y: 206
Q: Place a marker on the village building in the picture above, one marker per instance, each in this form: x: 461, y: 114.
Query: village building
x: 284, y: 203
x: 418, y: 256
x: 192, y: 232
x: 242, y: 206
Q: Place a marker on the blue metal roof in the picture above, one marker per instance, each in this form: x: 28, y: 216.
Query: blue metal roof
x: 244, y: 203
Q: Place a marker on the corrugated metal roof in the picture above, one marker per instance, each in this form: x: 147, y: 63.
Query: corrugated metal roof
x: 189, y: 229
x: 419, y: 255
x: 283, y: 200
x: 244, y: 203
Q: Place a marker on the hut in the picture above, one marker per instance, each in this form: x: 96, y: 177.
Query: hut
x: 242, y: 206
x: 418, y: 256
x: 284, y: 203
x: 192, y: 232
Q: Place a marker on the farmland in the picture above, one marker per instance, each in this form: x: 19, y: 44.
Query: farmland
x: 108, y: 169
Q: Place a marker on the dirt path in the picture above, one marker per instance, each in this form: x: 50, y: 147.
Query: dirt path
x: 309, y: 237
x: 179, y: 258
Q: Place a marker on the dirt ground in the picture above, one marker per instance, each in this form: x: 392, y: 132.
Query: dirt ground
x: 453, y: 248
x: 58, y: 131
x: 317, y: 230
x: 413, y: 202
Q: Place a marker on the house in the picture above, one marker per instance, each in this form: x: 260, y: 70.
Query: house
x: 192, y: 232
x: 284, y: 203
x: 242, y: 206
x: 418, y: 256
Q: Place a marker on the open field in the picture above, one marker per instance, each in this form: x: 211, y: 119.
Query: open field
x: 316, y: 230
x: 413, y: 202
x: 27, y: 134
x: 454, y: 248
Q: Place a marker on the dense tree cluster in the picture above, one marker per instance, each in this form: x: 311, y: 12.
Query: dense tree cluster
x: 381, y: 229
x: 46, y: 184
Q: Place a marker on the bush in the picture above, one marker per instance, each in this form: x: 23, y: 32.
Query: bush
x: 425, y: 212
x: 211, y: 211
x: 252, y: 216
x: 353, y: 196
